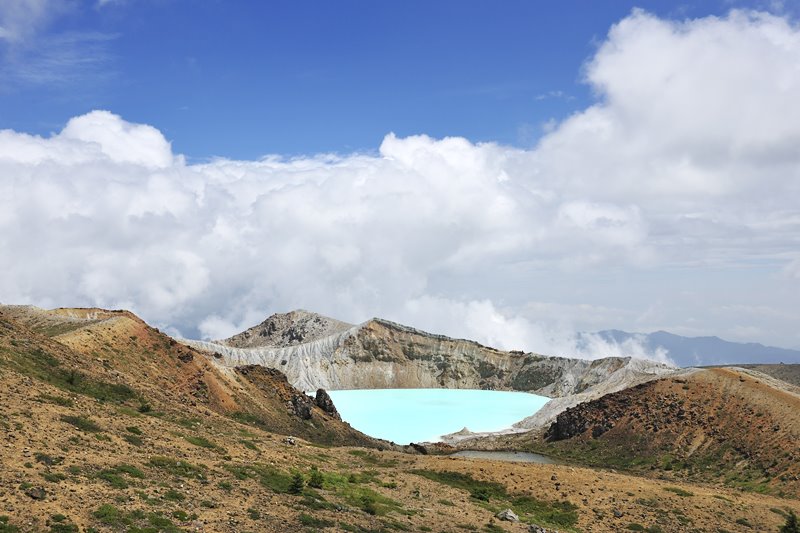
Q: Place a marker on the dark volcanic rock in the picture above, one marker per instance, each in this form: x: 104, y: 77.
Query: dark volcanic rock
x: 324, y: 402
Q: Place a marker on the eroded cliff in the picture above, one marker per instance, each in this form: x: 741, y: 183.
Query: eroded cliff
x: 383, y: 354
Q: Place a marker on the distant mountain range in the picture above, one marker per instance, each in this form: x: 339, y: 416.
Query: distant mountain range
x: 706, y: 351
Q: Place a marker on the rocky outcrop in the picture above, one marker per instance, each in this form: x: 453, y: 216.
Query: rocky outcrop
x: 287, y: 329
x: 729, y: 417
x: 383, y: 354
x: 324, y: 402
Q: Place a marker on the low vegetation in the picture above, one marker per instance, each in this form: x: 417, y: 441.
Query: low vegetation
x: 560, y: 514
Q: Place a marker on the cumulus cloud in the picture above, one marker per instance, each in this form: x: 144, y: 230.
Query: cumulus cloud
x: 687, y: 160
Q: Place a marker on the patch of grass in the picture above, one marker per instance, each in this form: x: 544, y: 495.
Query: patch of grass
x: 555, y: 513
x: 44, y: 366
x: 183, y: 516
x: 82, y: 423
x: 53, y: 477
x: 133, y: 429
x: 57, y: 400
x: 552, y: 514
x: 744, y: 522
x: 133, y: 439
x: 200, y: 441
x: 174, y: 496
x: 47, y: 459
x: 63, y: 528
x: 249, y: 444
x: 110, y: 515
x: 633, y: 526
x: 312, y: 521
x: 5, y: 527
x: 113, y: 478
x: 480, y: 490
x: 267, y: 475
x: 373, y: 459
x: 370, y: 501
x: 177, y: 467
x: 189, y: 423
x: 679, y: 491
x: 447, y: 503
x: 254, y: 514
x: 130, y: 470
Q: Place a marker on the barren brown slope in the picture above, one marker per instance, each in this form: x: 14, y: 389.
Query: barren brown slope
x: 719, y: 425
x: 78, y: 455
x: 119, y: 349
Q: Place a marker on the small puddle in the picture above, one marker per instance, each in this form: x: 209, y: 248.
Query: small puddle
x: 518, y: 457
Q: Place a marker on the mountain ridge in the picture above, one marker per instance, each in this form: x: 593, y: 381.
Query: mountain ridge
x: 705, y: 350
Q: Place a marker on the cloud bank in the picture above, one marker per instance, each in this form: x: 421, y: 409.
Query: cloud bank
x: 686, y: 169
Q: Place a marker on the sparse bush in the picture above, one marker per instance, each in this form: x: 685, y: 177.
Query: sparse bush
x: 791, y: 525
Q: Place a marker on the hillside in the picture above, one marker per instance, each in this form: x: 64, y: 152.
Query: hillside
x: 383, y: 354
x: 115, y: 354
x: 724, y: 425
x: 108, y: 426
x: 705, y: 351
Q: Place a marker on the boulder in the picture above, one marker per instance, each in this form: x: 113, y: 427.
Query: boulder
x: 324, y: 402
x: 508, y: 515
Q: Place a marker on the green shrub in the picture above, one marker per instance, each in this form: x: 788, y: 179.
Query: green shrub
x: 316, y: 478
x: 297, y: 484
x: 791, y: 525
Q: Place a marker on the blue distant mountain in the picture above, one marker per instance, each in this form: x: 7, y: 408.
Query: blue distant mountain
x: 705, y: 351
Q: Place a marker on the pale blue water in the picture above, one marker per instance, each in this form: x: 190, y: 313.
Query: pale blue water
x: 423, y: 415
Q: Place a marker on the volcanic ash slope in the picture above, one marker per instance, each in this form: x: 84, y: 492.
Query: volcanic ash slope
x: 320, y: 352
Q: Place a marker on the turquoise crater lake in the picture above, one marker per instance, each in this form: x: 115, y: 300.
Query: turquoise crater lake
x: 424, y: 415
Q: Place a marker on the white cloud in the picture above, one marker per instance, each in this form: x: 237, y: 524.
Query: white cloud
x: 679, y: 179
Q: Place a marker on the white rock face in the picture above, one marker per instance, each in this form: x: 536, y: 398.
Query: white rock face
x: 382, y: 354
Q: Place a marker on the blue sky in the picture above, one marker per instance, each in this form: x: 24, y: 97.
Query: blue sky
x: 244, y: 79
x: 511, y: 172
